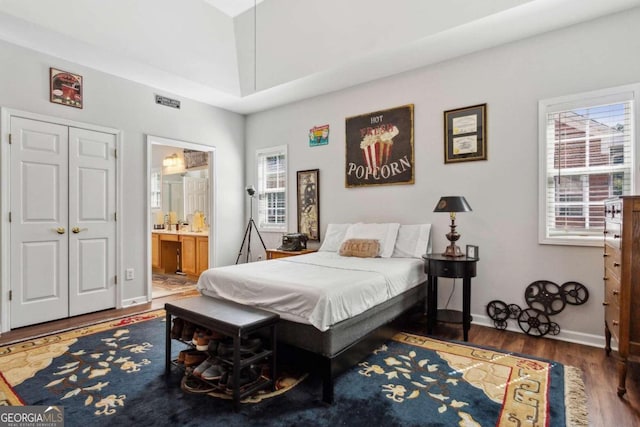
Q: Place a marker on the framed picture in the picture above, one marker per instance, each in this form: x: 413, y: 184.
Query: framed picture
x: 465, y: 134
x: 308, y: 190
x: 473, y: 252
x: 65, y: 88
x: 379, y: 148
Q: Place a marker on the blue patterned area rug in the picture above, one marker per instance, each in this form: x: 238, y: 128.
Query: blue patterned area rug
x: 113, y: 374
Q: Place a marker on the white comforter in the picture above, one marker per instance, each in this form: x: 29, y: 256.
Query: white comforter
x: 320, y: 288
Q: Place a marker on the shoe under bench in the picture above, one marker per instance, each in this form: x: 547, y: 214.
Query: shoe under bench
x: 232, y: 320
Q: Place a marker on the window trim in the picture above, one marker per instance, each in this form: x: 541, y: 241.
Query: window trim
x: 581, y: 100
x: 263, y: 152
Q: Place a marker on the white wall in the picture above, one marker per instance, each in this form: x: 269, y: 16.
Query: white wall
x: 502, y: 190
x: 117, y: 103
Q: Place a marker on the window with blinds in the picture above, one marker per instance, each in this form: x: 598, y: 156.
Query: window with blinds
x: 272, y: 188
x: 587, y: 148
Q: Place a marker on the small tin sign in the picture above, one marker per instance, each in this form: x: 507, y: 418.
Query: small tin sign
x: 318, y: 135
x: 168, y: 102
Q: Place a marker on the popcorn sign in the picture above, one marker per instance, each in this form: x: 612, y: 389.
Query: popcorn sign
x: 379, y: 148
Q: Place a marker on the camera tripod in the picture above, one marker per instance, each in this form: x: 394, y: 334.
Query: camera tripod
x: 247, y: 234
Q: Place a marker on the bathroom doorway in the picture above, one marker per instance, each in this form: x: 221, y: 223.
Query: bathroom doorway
x: 180, y: 214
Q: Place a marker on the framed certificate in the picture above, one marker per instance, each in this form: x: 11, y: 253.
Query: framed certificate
x: 465, y: 134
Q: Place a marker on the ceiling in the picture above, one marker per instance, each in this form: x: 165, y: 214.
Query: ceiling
x: 228, y: 54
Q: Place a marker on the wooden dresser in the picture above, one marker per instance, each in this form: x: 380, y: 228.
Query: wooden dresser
x: 622, y: 280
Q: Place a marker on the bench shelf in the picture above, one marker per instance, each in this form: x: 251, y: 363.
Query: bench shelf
x: 232, y: 320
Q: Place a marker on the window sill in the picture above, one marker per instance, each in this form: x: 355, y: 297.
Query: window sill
x: 573, y: 241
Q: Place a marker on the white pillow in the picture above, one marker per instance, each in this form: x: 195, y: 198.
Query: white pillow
x: 385, y: 233
x: 413, y: 241
x: 333, y: 237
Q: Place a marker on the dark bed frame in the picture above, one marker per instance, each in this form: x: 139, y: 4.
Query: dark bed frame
x: 346, y: 343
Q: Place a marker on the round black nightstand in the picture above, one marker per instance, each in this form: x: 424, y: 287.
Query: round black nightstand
x: 437, y: 265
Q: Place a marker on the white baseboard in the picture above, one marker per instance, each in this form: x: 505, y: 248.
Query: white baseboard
x: 564, y: 335
x: 135, y: 301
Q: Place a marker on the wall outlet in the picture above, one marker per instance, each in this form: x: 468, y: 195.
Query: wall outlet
x: 129, y: 274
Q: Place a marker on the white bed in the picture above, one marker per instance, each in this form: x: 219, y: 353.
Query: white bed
x: 320, y: 289
x: 336, y: 307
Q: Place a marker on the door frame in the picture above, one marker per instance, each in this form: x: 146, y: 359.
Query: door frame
x: 213, y: 214
x: 5, y: 205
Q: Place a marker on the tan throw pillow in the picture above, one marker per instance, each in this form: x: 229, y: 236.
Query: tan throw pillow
x: 362, y: 248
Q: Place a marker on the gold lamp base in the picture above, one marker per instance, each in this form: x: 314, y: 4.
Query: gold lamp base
x: 453, y: 250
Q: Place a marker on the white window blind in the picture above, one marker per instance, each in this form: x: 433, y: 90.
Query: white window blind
x: 272, y: 186
x: 588, y: 156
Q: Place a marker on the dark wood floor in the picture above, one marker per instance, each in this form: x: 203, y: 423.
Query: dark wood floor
x: 600, y: 376
x: 21, y: 334
x: 605, y: 408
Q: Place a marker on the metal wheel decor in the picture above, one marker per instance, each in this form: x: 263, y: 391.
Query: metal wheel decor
x: 544, y: 299
x: 500, y: 324
x: 575, y: 293
x: 545, y: 296
x: 514, y: 311
x: 554, y: 328
x: 534, y: 322
x: 497, y: 310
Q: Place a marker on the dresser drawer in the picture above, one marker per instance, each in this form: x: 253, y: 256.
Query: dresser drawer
x: 612, y: 296
x: 612, y: 292
x: 611, y: 280
x: 169, y: 237
x: 612, y: 234
x: 612, y: 318
x: 613, y: 211
x: 612, y: 266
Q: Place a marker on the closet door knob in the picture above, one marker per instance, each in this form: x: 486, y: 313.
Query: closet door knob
x: 76, y: 230
x: 59, y: 230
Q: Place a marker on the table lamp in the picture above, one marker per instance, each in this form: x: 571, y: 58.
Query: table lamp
x: 452, y: 204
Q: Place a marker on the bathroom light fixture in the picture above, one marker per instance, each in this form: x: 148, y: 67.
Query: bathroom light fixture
x: 173, y: 164
x: 170, y: 161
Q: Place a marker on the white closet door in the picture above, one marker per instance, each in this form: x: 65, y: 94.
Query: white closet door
x: 39, y: 209
x: 92, y: 223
